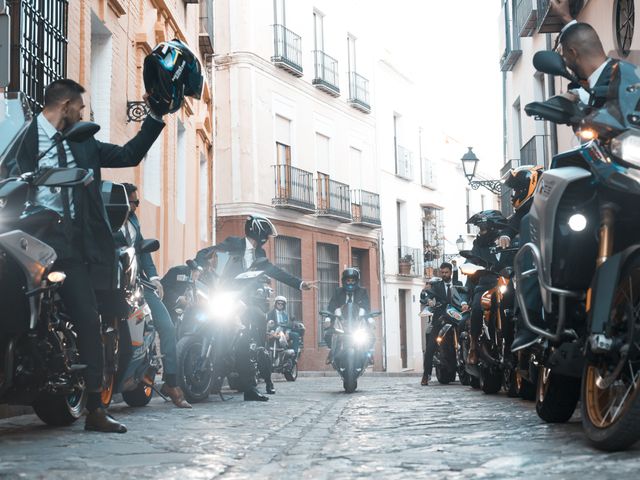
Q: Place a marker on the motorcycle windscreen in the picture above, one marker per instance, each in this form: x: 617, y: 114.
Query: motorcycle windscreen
x: 15, y: 117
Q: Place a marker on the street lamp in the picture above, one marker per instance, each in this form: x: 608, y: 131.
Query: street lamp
x: 460, y: 243
x: 469, y: 166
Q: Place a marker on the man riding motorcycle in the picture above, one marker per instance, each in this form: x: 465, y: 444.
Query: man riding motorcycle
x: 350, y: 292
x: 281, y: 323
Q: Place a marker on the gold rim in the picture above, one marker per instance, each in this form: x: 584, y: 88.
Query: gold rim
x: 107, y: 393
x: 606, y: 406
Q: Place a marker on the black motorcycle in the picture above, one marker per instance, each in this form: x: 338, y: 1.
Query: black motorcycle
x: 350, y: 343
x: 586, y: 254
x: 283, y: 358
x: 39, y: 360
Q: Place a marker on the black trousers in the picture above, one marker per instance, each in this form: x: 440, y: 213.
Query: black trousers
x: 248, y: 359
x: 431, y: 345
x: 80, y: 302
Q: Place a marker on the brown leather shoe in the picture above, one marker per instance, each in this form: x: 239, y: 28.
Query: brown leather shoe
x: 425, y: 381
x: 176, y: 396
x: 99, y: 421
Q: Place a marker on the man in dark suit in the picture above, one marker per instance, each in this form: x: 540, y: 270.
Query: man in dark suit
x: 441, y: 293
x: 242, y: 253
x: 83, y: 241
x: 131, y: 235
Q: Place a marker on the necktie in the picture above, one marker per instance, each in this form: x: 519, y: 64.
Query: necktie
x: 64, y: 192
x: 448, y: 292
x: 349, y: 297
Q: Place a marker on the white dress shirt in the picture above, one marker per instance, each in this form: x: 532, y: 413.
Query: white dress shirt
x: 249, y: 254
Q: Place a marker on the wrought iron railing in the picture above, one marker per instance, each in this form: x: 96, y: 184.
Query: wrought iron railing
x: 206, y: 27
x: 287, y: 49
x: 359, y: 92
x: 525, y: 18
x: 552, y: 24
x: 326, y: 72
x: 534, y: 152
x: 404, y: 163
x: 334, y: 198
x: 409, y: 261
x: 365, y: 207
x: 293, y: 188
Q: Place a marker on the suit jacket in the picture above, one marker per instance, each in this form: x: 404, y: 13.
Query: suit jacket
x: 339, y: 298
x: 273, y: 315
x: 601, y: 88
x: 96, y: 239
x: 235, y: 247
x: 440, y: 290
x: 147, y: 267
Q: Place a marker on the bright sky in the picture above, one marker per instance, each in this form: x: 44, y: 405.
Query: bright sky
x: 453, y: 48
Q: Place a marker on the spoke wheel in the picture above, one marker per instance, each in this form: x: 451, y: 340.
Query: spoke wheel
x: 194, y: 377
x: 610, y: 406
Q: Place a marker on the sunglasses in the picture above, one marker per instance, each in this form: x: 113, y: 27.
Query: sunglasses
x: 134, y: 202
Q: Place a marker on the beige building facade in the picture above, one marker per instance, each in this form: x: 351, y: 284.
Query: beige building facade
x: 102, y: 45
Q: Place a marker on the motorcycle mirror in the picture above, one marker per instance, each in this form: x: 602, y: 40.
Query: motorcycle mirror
x: 470, y: 269
x: 465, y: 253
x: 60, y: 177
x: 192, y: 265
x: 80, y: 132
x: 375, y: 313
x: 434, y: 280
x: 149, y: 245
x: 547, y: 61
x: 325, y: 313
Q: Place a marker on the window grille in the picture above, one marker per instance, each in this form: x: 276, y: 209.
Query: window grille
x: 289, y: 258
x: 328, y: 278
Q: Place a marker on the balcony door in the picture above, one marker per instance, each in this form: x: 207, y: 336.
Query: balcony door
x: 283, y: 170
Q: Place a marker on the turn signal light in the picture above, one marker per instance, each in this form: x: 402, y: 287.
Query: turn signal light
x: 587, y: 134
x: 56, y: 277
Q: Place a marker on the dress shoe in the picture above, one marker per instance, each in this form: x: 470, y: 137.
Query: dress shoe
x: 270, y: 389
x: 100, y: 421
x: 425, y: 380
x: 254, y: 396
x: 176, y: 396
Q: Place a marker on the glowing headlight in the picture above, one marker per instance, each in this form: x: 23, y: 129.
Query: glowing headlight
x: 56, y: 277
x: 360, y: 336
x: 502, y: 288
x: 222, y: 305
x: 439, y: 340
x: 627, y: 147
x: 577, y: 222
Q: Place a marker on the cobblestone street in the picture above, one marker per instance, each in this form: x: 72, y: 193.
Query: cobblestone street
x: 390, y: 428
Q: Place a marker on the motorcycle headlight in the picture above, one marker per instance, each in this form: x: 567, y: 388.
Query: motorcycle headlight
x: 222, y: 305
x: 627, y: 147
x: 577, y: 222
x: 360, y: 336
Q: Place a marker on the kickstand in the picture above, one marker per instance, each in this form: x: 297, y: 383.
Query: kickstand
x: 223, y: 398
x: 155, y: 389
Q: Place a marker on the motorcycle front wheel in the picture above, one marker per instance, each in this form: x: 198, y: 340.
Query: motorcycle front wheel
x: 292, y: 374
x: 490, y: 380
x: 194, y: 377
x: 60, y: 410
x: 350, y: 379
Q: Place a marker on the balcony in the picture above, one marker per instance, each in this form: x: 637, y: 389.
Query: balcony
x: 526, y: 18
x: 514, y: 163
x: 205, y: 37
x: 534, y: 152
x: 293, y: 189
x: 551, y: 24
x: 409, y: 262
x: 359, y: 92
x: 428, y: 174
x: 511, y: 55
x: 288, y: 50
x: 404, y: 163
x: 326, y: 77
x: 365, y: 208
x: 333, y: 200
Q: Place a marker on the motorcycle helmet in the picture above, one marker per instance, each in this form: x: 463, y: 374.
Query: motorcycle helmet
x: 170, y: 72
x: 259, y: 228
x: 280, y: 298
x: 490, y: 222
x: 352, y: 273
x: 523, y: 182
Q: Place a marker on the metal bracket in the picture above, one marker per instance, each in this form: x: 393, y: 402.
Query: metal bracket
x: 137, y: 111
x: 494, y: 186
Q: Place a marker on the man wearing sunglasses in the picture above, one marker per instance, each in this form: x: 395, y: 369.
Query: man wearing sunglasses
x: 130, y: 234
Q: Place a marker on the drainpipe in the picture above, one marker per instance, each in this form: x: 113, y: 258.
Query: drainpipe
x: 382, y: 299
x: 553, y: 133
x: 505, y: 141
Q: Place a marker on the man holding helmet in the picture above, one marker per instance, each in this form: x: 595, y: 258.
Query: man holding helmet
x: 243, y: 253
x: 350, y: 292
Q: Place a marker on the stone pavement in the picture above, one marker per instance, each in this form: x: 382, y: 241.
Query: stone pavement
x: 391, y: 428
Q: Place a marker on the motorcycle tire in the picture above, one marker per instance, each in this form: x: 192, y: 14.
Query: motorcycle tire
x: 490, y: 381
x: 139, y: 396
x: 60, y: 410
x: 444, y: 375
x: 556, y: 396
x: 474, y: 382
x: 463, y: 375
x: 527, y: 390
x: 350, y: 379
x: 513, y: 382
x: 292, y: 375
x: 195, y: 385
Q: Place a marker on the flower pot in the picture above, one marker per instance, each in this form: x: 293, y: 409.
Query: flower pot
x: 404, y: 268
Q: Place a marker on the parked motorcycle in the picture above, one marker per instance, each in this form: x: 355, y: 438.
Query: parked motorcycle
x: 283, y: 358
x: 492, y: 360
x: 350, y: 343
x: 586, y: 251
x: 39, y: 360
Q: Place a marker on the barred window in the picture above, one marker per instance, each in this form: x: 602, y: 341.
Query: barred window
x: 433, y: 235
x: 328, y: 278
x: 39, y: 46
x: 289, y: 258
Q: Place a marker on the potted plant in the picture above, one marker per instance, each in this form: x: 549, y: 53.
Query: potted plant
x: 405, y: 263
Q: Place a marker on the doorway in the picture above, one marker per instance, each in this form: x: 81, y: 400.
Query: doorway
x: 402, y: 300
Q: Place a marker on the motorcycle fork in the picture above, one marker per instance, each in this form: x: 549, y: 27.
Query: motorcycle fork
x: 607, y: 220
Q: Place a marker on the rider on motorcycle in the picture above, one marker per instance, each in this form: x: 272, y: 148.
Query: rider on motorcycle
x: 281, y: 323
x: 350, y: 292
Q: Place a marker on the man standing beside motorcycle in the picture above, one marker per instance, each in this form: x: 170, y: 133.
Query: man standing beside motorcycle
x: 131, y: 234
x: 441, y: 293
x: 350, y: 292
x: 243, y: 253
x: 83, y: 240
